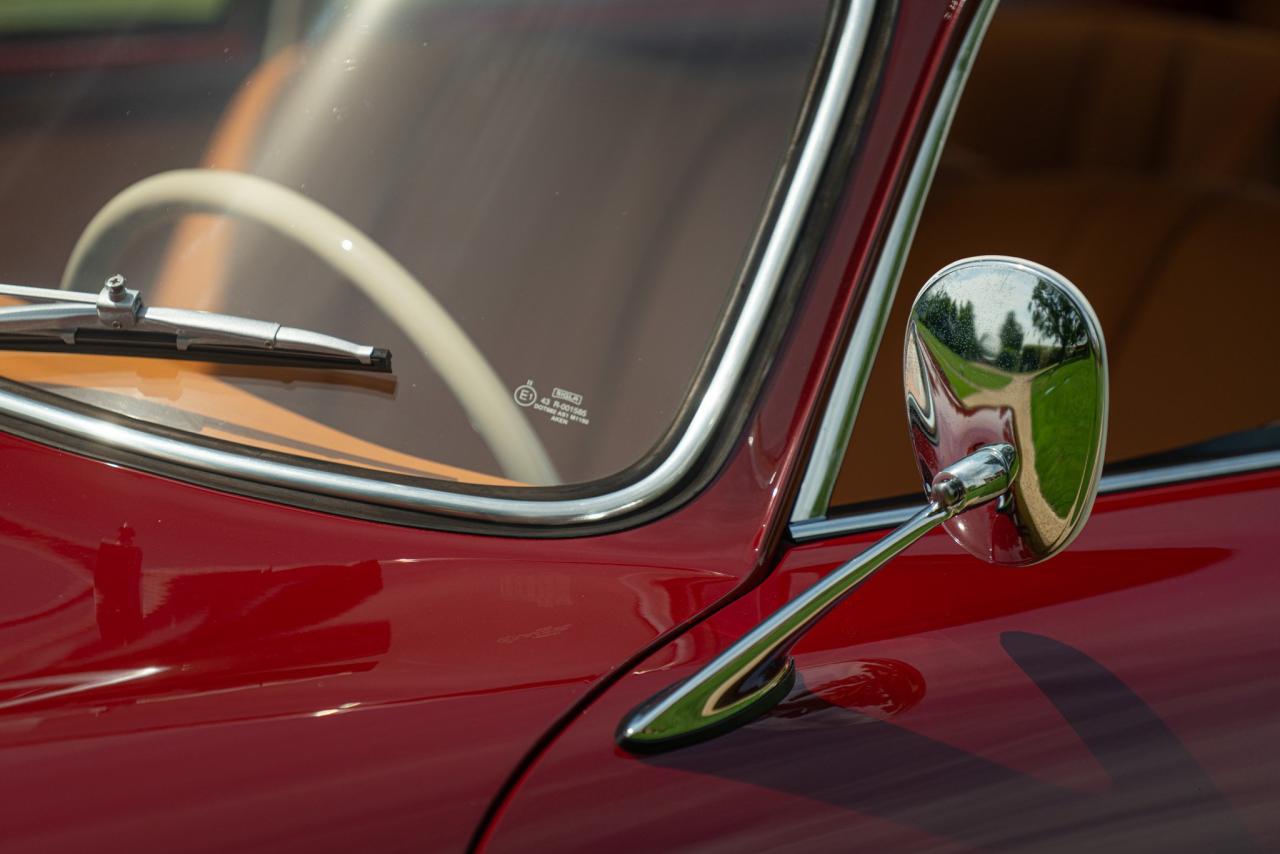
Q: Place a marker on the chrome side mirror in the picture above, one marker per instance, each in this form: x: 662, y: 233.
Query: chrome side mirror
x: 1006, y: 389
x: 1001, y: 350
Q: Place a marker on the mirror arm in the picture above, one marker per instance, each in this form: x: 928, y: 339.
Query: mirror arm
x: 757, y: 671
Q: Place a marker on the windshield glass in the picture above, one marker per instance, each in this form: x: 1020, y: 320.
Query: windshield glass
x: 544, y: 210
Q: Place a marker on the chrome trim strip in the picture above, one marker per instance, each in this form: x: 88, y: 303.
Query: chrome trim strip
x: 875, y: 520
x: 710, y: 409
x: 1127, y: 481
x: 846, y: 395
x: 815, y: 529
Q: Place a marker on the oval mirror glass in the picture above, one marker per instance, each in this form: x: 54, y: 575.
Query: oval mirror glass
x: 1005, y: 350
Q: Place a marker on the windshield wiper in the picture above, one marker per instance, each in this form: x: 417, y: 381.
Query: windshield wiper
x: 116, y: 322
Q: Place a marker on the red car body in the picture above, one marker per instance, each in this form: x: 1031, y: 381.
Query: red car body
x: 185, y: 668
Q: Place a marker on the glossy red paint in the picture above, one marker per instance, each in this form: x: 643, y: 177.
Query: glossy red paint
x: 1118, y: 698
x: 175, y: 659
x: 183, y: 668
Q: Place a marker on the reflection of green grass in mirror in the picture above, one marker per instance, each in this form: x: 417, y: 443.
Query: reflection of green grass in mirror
x: 1061, y: 400
x: 964, y: 376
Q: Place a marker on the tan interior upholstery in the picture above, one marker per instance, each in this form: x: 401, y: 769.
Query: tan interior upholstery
x: 1137, y: 153
x: 1076, y: 88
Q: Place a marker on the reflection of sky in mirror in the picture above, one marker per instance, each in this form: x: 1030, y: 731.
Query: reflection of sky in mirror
x: 1001, y: 291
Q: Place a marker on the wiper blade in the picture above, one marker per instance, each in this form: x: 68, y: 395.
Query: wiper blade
x: 115, y: 321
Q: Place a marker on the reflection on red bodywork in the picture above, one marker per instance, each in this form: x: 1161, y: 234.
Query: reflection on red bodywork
x: 216, y: 656
x: 1119, y: 698
x: 877, y: 687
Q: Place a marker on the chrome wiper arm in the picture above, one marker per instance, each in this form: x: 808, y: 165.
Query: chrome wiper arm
x: 117, y: 321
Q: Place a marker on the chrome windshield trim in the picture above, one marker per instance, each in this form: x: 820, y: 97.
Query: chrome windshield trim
x: 814, y: 495
x: 816, y: 148
x: 856, y: 523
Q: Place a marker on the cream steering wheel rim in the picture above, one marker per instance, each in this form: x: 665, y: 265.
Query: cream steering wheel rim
x: 393, y: 289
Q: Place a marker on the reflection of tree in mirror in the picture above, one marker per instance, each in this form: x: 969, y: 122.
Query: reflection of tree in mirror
x: 949, y: 331
x: 1056, y: 317
x: 1011, y: 337
x: 951, y: 323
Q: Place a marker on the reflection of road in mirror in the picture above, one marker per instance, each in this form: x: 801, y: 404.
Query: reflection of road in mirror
x: 1159, y: 798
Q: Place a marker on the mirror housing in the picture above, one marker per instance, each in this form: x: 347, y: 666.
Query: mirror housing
x: 1001, y: 350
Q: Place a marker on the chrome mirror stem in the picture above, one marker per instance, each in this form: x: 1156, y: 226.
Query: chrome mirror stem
x: 756, y: 672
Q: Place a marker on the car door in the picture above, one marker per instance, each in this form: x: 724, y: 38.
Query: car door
x: 209, y: 643
x: 1119, y: 697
